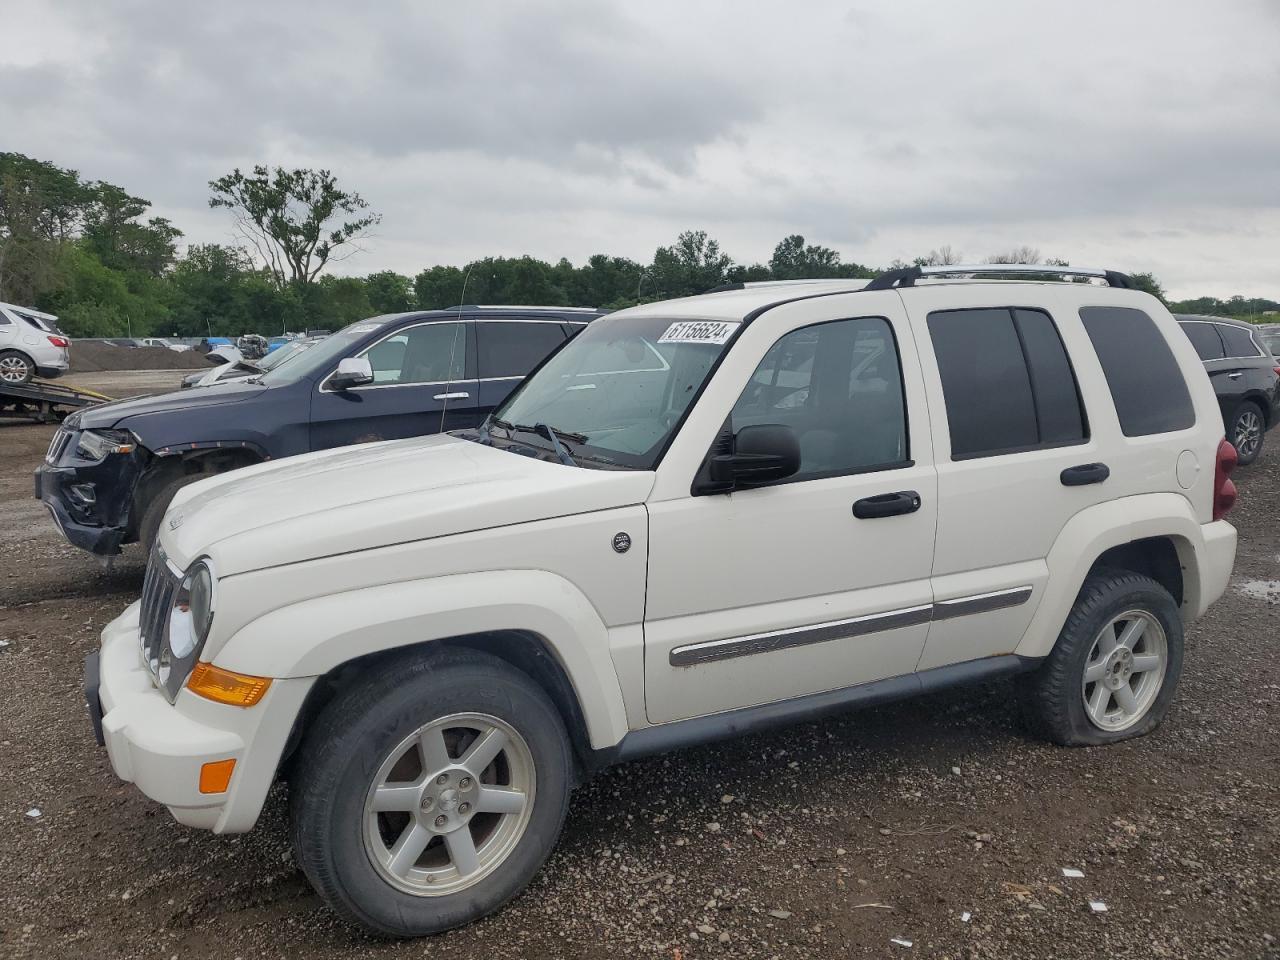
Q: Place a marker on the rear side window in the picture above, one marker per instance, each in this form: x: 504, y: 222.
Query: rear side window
x: 1239, y: 341
x: 512, y: 349
x: 1145, y: 380
x: 1007, y: 381
x: 1205, y: 339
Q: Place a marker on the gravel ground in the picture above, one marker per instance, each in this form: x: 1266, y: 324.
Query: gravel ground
x: 823, y: 840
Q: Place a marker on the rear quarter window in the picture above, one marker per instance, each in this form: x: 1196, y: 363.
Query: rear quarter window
x: 1146, y: 383
x: 1239, y: 341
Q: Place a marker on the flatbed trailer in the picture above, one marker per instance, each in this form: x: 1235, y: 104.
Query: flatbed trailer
x: 44, y: 402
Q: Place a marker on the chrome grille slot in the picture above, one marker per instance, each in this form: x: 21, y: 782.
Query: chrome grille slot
x: 158, y: 587
x: 57, y: 445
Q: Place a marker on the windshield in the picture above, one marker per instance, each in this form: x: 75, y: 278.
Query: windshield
x: 622, y: 385
x: 327, y: 352
x: 280, y: 354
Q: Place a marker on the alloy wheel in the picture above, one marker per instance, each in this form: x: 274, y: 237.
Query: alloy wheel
x: 1125, y: 670
x: 14, y: 370
x: 449, y: 803
x: 1248, y: 434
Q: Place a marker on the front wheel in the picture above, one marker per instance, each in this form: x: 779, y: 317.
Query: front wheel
x: 15, y: 368
x: 429, y: 795
x: 1115, y: 667
x: 1247, y: 431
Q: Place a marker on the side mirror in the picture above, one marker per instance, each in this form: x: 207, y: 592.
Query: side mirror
x: 761, y: 454
x: 352, y: 372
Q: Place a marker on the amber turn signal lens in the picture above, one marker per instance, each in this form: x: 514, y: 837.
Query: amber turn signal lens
x: 216, y: 776
x: 223, y: 686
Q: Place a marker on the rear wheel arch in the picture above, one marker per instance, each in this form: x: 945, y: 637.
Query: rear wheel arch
x: 1160, y: 558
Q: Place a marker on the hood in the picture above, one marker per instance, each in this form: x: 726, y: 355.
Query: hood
x: 133, y: 413
x: 376, y: 495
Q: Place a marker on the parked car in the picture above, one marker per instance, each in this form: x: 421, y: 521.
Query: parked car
x: 31, y: 345
x: 112, y: 469
x: 244, y: 369
x: 1244, y: 376
x: 698, y: 519
x: 165, y: 343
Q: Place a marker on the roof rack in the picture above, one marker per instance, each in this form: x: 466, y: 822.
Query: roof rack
x: 907, y: 276
x: 546, y: 308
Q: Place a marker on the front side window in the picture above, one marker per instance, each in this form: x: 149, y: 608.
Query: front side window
x: 510, y: 349
x: 1238, y: 340
x: 1007, y: 381
x: 1204, y: 337
x: 428, y: 353
x: 623, y: 385
x: 1144, y: 378
x: 838, y: 386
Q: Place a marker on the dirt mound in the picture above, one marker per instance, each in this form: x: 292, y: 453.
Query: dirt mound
x: 89, y: 356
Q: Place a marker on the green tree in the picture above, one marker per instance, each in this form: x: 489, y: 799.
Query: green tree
x: 1147, y: 283
x: 41, y: 209
x: 113, y: 233
x: 389, y: 292
x: 293, y: 218
x: 693, y: 264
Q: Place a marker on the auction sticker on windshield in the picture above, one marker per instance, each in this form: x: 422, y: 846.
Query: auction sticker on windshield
x: 700, y: 331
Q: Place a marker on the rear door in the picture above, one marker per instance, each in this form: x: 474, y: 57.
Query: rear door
x: 1010, y: 431
x: 1224, y: 372
x: 506, y: 351
x: 421, y: 384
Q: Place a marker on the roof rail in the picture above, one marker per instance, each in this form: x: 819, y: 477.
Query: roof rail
x: 907, y: 276
x: 523, y: 306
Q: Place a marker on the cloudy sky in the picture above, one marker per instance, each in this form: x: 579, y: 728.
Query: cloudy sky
x: 1134, y: 134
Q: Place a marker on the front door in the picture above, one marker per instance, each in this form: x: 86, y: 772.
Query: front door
x: 420, y: 386
x: 819, y: 581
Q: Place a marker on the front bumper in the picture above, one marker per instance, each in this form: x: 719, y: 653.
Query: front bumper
x: 104, y: 541
x: 160, y: 747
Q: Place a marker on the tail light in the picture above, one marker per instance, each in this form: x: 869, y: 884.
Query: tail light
x: 1277, y: 370
x: 60, y: 342
x: 1224, y: 490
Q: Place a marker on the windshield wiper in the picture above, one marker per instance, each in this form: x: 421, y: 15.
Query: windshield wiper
x: 553, y: 435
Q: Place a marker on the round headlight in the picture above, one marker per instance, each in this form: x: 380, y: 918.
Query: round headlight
x: 192, y: 612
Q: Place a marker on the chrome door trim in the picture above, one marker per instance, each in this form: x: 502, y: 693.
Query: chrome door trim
x: 711, y: 650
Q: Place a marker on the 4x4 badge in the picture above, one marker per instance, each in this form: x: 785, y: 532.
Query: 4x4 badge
x: 621, y: 542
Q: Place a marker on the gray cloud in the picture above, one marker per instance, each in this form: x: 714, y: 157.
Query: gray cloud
x: 1142, y: 134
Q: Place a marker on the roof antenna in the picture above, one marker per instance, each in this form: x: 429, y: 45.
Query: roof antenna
x: 453, y: 349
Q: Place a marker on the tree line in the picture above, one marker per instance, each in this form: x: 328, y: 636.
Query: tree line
x: 93, y: 253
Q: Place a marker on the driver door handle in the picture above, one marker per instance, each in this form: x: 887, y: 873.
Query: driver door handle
x: 887, y: 505
x: 451, y: 396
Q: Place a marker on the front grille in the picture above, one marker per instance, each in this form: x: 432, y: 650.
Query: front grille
x: 158, y: 589
x: 57, y: 445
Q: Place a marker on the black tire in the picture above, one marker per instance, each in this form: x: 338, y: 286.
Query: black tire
x: 19, y: 366
x: 342, y: 753
x: 153, y: 511
x: 1053, y: 696
x: 1247, y: 418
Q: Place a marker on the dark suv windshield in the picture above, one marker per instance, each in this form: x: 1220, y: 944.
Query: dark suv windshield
x: 323, y: 355
x: 624, y: 384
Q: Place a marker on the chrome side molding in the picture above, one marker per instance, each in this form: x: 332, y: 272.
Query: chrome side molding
x: 711, y: 650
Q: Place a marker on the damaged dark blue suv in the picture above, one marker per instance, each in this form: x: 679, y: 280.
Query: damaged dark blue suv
x: 111, y: 470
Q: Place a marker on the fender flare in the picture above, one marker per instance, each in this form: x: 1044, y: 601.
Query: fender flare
x: 1092, y: 532
x: 175, y: 449
x: 312, y: 637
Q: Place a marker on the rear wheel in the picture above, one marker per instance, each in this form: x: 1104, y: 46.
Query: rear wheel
x: 15, y: 367
x: 1115, y: 667
x: 429, y: 795
x: 1247, y: 430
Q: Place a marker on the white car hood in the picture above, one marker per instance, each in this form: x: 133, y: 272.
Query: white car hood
x: 376, y: 495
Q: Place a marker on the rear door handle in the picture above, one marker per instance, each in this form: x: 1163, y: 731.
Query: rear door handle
x: 451, y: 396
x: 887, y: 505
x: 1084, y: 474
x: 1235, y: 376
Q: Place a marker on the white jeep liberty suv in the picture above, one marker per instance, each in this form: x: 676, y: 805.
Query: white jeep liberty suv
x: 697, y: 519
